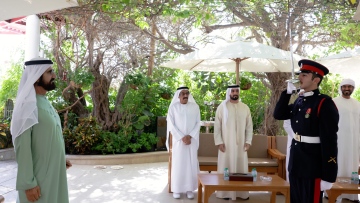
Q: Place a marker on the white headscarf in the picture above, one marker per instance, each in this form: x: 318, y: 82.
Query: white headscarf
x: 175, y: 100
x: 227, y: 98
x: 347, y: 81
x: 25, y: 113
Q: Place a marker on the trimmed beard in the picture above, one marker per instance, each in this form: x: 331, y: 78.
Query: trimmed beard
x: 346, y: 92
x: 235, y: 97
x: 47, y: 86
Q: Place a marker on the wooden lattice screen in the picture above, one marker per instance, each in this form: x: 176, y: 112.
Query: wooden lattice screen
x: 9, y: 106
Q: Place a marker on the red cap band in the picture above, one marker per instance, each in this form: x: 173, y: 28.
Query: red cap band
x: 313, y: 69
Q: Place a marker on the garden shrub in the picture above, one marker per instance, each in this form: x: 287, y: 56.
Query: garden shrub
x: 5, y: 136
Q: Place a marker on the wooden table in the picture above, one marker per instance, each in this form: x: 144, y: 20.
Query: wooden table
x: 340, y: 187
x: 215, y: 182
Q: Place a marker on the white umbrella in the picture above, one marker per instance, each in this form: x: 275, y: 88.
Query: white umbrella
x: 227, y: 57
x: 17, y: 8
x: 346, y: 63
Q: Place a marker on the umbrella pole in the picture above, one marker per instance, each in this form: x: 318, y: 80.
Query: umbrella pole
x: 237, y: 61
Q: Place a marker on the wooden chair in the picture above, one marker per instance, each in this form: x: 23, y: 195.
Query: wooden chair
x: 170, y: 159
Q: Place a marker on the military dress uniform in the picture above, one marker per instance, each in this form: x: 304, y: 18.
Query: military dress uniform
x: 313, y: 153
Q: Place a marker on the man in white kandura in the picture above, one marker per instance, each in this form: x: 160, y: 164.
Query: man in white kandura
x: 349, y: 132
x: 183, y: 122
x: 233, y: 131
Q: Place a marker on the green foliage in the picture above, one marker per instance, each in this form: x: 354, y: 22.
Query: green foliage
x: 330, y: 85
x: 125, y: 141
x: 82, y: 77
x: 10, y: 83
x: 83, y: 138
x: 113, y: 143
x: 5, y: 135
x: 137, y: 79
x: 165, y: 92
x: 356, y: 94
x: 245, y: 83
x: 139, y: 11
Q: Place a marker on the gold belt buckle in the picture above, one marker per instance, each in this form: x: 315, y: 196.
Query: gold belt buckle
x: 297, y: 137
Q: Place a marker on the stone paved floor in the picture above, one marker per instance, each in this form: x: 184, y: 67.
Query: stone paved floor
x: 135, y: 183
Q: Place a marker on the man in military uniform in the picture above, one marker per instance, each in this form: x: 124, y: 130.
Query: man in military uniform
x: 314, y: 119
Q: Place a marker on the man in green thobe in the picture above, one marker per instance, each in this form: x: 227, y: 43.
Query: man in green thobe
x: 38, y: 139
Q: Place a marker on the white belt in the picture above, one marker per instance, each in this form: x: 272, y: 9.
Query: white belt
x: 306, y: 139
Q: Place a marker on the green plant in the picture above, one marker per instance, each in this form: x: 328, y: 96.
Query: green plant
x: 82, y: 138
x: 165, y: 92
x: 136, y: 79
x: 143, y: 142
x: 245, y: 83
x: 5, y: 136
x: 113, y: 143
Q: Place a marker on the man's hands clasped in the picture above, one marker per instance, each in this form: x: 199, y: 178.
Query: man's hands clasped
x: 186, y: 139
x: 221, y: 147
x: 33, y: 194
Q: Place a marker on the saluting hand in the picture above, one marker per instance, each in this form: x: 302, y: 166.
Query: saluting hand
x: 33, y: 194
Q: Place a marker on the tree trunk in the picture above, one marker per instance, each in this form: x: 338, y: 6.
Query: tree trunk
x: 152, y: 50
x: 270, y: 125
x: 72, y: 94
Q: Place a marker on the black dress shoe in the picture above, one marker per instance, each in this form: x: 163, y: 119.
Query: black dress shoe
x: 245, y: 198
x: 226, y: 198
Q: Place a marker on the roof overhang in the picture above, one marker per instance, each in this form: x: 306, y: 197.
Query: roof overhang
x: 13, y: 26
x: 16, y: 8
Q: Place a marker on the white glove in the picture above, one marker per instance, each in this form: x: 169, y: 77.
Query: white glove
x: 324, y: 185
x: 290, y: 88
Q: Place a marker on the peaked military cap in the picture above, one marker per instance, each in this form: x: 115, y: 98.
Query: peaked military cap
x: 309, y: 66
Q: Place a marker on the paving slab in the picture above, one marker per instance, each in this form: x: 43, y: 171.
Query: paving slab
x: 134, y: 183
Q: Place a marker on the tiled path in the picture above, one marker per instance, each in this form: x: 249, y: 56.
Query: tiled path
x: 135, y: 183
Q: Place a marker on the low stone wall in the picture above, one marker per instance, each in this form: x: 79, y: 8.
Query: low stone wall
x: 135, y: 158
x: 7, y: 154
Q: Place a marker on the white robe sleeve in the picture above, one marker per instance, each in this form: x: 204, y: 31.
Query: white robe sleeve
x: 218, y: 126
x: 176, y: 133
x: 194, y: 133
x: 249, y: 128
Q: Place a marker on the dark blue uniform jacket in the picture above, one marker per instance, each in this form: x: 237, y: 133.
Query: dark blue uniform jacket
x: 309, y: 160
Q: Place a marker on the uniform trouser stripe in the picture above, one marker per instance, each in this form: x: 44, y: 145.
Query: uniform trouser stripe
x: 305, y: 190
x: 317, y: 190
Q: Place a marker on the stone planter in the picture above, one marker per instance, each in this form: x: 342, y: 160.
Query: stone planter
x: 7, y: 154
x: 135, y: 158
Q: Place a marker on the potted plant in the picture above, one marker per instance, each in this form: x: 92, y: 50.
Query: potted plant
x: 5, y: 136
x: 245, y: 83
x: 165, y: 92
x: 134, y: 80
